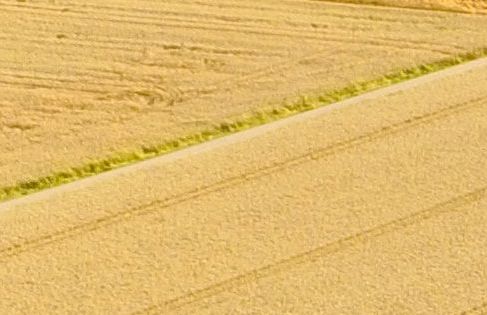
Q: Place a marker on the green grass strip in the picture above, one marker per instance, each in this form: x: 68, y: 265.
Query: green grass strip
x: 230, y: 127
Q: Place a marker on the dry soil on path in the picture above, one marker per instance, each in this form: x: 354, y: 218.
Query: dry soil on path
x: 81, y: 80
x: 373, y: 207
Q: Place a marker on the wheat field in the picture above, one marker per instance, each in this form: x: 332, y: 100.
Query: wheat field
x: 280, y: 222
x: 279, y: 157
x: 465, y: 6
x: 83, y: 81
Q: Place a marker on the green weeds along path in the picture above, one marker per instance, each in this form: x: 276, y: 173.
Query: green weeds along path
x: 230, y: 127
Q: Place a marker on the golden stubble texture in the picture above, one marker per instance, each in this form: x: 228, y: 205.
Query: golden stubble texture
x: 82, y: 80
x: 467, y: 6
x: 373, y: 208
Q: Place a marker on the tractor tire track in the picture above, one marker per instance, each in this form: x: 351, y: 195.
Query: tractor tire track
x: 318, y: 253
x: 159, y: 205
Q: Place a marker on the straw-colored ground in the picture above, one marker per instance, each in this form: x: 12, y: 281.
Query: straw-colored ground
x: 467, y: 6
x: 379, y: 207
x: 80, y: 80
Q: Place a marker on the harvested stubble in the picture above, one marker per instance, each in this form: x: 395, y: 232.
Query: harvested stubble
x: 86, y: 87
x: 333, y: 214
x: 466, y: 6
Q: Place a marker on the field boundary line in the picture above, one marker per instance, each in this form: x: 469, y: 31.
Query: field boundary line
x: 255, y: 124
x: 287, y: 264
x: 258, y: 121
x: 126, y: 215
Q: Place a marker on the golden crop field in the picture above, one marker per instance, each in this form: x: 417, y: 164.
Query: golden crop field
x: 85, y: 86
x: 327, y: 214
x: 467, y: 6
x: 279, y: 157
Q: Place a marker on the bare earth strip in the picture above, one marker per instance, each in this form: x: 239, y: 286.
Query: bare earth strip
x: 81, y: 80
x: 333, y: 214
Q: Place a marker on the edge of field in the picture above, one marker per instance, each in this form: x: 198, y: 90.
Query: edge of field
x: 442, y: 7
x: 230, y: 126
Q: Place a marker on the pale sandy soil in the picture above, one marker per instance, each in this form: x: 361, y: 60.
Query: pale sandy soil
x: 376, y: 207
x: 467, y: 6
x: 80, y: 80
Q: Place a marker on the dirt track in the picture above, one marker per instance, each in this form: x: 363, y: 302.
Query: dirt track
x: 390, y: 192
x: 80, y: 80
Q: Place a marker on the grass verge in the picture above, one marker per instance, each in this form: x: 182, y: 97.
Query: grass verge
x: 229, y: 127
